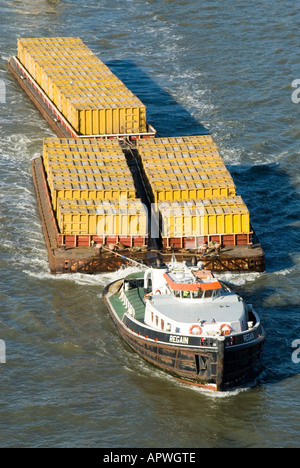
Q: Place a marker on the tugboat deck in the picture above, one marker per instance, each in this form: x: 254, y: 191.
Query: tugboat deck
x: 207, y: 311
x: 135, y: 298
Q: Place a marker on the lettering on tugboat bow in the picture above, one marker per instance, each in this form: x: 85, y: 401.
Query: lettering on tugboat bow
x: 178, y: 339
x: 248, y: 337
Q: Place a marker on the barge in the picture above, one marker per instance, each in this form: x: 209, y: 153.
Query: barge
x: 66, y: 256
x: 220, y: 234
x: 187, y: 323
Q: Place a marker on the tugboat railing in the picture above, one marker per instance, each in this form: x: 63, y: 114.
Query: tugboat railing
x: 127, y: 303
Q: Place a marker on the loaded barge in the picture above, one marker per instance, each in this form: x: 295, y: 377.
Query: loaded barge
x: 99, y: 183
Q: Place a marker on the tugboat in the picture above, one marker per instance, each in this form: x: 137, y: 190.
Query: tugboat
x: 186, y: 322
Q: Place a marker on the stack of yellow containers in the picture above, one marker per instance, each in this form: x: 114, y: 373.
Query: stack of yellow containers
x: 82, y: 153
x: 92, y: 190
x: 86, y: 92
x: 102, y: 218
x: 220, y: 217
x: 98, y: 182
x: 195, y: 193
x: 176, y: 169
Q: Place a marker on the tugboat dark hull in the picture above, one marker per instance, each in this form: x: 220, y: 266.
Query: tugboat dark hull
x: 214, y: 363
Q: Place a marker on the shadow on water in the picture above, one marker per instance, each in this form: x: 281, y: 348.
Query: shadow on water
x: 164, y: 113
x: 274, y: 205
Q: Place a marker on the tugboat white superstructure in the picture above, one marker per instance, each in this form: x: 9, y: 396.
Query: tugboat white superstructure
x: 185, y: 321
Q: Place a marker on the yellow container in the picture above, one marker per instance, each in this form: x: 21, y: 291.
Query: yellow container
x: 91, y: 191
x: 87, y: 93
x: 192, y: 191
x: 112, y: 119
x: 75, y: 156
x: 148, y: 156
x: 109, y: 184
x: 201, y: 149
x: 87, y: 167
x: 227, y: 220
x: 103, y: 218
x: 176, y: 169
x: 91, y: 178
x: 232, y: 201
x: 185, y: 163
x: 195, y: 219
x: 71, y: 151
x: 174, y: 172
x: 83, y: 146
x: 179, y: 144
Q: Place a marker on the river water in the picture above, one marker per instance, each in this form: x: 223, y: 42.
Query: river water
x: 69, y: 380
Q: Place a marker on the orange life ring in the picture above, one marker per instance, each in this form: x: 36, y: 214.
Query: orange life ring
x: 195, y: 330
x: 225, y: 329
x: 157, y: 291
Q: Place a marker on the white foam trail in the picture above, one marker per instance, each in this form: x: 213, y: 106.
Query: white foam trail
x: 239, y: 279
x: 100, y: 279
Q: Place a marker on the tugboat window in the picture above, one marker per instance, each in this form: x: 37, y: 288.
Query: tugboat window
x: 208, y: 294
x: 197, y: 294
x: 216, y: 293
x: 186, y: 294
